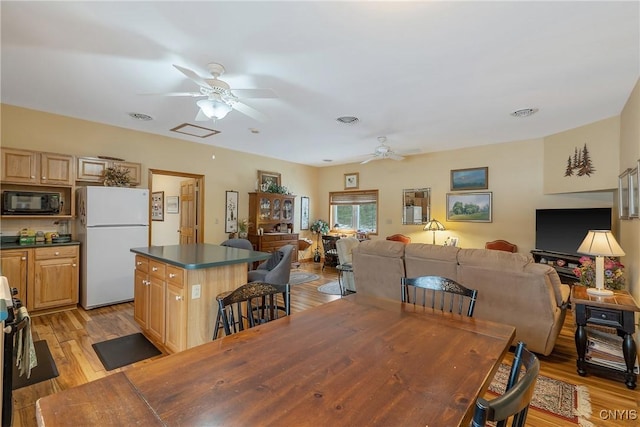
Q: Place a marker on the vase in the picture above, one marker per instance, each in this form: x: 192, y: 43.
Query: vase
x: 316, y: 256
x: 243, y: 234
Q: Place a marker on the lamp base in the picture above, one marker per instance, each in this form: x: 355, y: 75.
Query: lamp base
x: 599, y: 292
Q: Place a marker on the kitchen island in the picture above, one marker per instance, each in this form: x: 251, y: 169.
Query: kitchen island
x: 175, y: 289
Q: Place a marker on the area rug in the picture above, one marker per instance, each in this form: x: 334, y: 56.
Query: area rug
x: 298, y: 277
x: 331, y: 288
x: 45, y: 370
x: 567, y: 401
x: 123, y: 351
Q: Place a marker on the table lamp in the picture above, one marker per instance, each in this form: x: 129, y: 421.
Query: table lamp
x: 434, y: 225
x: 600, y: 243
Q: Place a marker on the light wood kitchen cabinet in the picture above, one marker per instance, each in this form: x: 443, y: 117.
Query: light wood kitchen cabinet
x: 141, y: 296
x: 14, y: 265
x: 176, y: 319
x: 56, y: 277
x: 36, y: 168
x: 91, y: 169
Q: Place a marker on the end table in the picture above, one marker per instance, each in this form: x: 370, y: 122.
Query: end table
x: 616, y: 311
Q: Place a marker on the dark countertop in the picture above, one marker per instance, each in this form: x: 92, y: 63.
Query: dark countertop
x: 15, y: 245
x: 200, y: 255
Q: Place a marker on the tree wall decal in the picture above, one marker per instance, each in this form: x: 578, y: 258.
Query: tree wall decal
x: 580, y: 163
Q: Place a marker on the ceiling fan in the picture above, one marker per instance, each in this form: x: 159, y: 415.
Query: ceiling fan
x: 383, y: 151
x: 220, y: 98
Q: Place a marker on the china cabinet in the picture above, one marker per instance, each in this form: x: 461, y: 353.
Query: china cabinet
x: 272, y: 214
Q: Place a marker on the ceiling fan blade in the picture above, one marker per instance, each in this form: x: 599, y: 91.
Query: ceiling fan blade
x: 395, y: 156
x: 193, y: 76
x: 254, y: 93
x: 201, y: 117
x: 250, y: 111
x: 192, y: 94
x: 370, y: 159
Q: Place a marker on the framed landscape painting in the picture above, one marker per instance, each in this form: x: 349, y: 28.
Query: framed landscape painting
x: 470, y: 207
x: 470, y: 179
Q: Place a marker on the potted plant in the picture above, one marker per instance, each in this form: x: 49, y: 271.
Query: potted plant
x: 320, y: 228
x: 243, y: 228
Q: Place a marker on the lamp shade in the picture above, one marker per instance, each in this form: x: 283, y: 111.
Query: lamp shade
x: 600, y: 243
x: 434, y: 225
x: 214, y: 108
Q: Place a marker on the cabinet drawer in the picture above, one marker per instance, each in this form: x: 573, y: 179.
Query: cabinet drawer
x: 602, y: 316
x: 157, y: 269
x: 142, y: 264
x: 175, y: 275
x: 56, y: 252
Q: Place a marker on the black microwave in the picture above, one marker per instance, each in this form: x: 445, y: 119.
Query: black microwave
x: 30, y: 203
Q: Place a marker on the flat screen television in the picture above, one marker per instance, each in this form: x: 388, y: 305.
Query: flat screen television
x: 563, y: 230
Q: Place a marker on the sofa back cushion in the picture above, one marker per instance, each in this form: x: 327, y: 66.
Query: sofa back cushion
x: 378, y: 266
x: 431, y: 260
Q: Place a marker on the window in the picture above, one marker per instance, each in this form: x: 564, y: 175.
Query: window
x: 354, y: 211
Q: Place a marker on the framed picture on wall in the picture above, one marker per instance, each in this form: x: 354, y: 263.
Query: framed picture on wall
x: 469, y: 207
x: 634, y: 196
x: 267, y: 178
x: 304, y: 213
x: 470, y: 179
x: 623, y: 194
x: 157, y: 206
x: 231, y: 214
x: 173, y: 204
x: 351, y: 181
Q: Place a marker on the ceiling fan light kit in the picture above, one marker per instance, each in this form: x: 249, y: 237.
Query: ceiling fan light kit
x: 213, y: 108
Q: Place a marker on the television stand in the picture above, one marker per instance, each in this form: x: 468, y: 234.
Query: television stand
x: 562, y: 263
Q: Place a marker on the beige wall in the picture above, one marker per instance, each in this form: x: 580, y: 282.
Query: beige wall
x: 515, y: 179
x: 602, y: 140
x: 231, y: 170
x: 629, y: 156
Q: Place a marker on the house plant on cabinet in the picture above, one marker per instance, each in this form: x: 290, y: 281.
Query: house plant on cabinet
x: 320, y: 228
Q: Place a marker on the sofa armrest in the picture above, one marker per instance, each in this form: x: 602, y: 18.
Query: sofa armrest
x: 560, y: 290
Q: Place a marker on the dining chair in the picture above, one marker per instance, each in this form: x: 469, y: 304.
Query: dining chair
x: 399, y: 238
x: 276, y: 270
x: 238, y: 243
x: 446, y: 294
x: 501, y: 245
x: 250, y: 305
x: 517, y: 397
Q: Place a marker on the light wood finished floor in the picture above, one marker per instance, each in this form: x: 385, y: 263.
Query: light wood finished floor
x: 70, y: 335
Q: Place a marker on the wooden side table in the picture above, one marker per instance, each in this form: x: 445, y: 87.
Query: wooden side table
x: 616, y: 311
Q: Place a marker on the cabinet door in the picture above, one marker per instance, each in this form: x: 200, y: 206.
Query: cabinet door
x: 277, y: 206
x: 90, y: 169
x: 176, y: 319
x: 287, y: 210
x: 156, y: 308
x: 141, y: 299
x: 20, y: 166
x: 13, y: 264
x: 55, y: 282
x: 56, y: 169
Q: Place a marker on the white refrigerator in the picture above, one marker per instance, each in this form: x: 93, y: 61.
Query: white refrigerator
x: 111, y: 220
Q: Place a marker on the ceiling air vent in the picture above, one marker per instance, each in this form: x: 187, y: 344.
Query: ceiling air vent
x: 140, y: 116
x: 525, y: 112
x: 348, y: 120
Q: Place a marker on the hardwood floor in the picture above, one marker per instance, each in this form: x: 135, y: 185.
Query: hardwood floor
x: 70, y: 336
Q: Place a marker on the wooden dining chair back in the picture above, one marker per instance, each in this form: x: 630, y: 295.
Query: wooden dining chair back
x: 399, y: 238
x: 250, y: 305
x: 517, y: 397
x: 439, y: 293
x: 501, y: 245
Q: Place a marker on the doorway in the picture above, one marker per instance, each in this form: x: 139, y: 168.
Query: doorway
x: 184, y: 224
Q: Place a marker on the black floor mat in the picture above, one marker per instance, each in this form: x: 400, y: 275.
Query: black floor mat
x: 124, y: 351
x: 45, y: 370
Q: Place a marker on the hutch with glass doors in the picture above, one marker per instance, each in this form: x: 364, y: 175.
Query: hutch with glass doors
x: 271, y: 222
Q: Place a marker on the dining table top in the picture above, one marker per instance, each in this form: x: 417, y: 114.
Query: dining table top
x: 355, y: 361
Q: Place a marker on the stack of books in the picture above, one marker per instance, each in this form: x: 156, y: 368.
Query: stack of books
x: 605, y: 348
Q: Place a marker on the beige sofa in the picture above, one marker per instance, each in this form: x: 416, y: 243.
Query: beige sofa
x: 512, y: 288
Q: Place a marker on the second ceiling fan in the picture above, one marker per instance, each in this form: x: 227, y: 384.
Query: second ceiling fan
x: 383, y: 151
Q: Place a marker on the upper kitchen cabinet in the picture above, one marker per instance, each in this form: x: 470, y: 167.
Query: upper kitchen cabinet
x: 91, y: 169
x: 36, y: 168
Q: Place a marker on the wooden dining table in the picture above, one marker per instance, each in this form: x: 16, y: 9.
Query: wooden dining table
x: 352, y: 362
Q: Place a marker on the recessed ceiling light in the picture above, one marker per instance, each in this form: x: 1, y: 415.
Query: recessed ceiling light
x: 140, y: 116
x: 327, y: 160
x: 525, y: 112
x: 348, y: 120
x: 254, y: 130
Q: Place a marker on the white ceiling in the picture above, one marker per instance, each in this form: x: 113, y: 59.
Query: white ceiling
x: 428, y: 75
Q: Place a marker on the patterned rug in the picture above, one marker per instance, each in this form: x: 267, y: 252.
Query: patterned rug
x: 298, y: 277
x: 331, y: 288
x: 567, y: 401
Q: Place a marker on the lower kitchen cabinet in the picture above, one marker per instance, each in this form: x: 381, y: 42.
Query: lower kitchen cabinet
x: 46, y: 278
x: 175, y: 319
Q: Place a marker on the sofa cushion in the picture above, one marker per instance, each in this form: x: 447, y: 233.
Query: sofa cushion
x: 378, y: 266
x: 497, y: 260
x: 431, y: 260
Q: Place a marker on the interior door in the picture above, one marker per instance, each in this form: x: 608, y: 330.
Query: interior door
x: 188, y: 222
